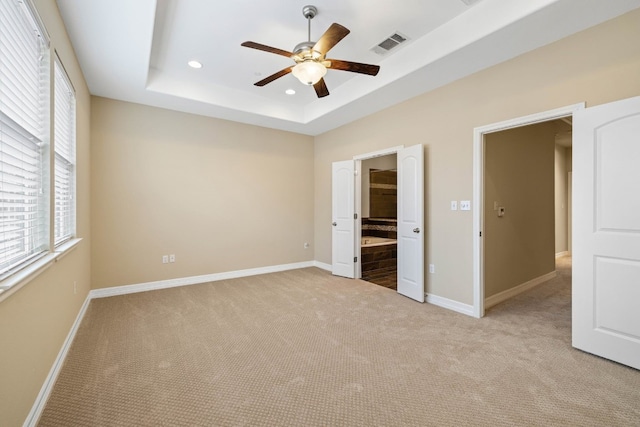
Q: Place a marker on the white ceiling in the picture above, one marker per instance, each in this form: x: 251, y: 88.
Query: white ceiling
x: 137, y: 50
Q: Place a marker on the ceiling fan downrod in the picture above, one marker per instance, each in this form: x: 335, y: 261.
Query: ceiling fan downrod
x: 304, y: 50
x: 309, y: 12
x: 311, y: 64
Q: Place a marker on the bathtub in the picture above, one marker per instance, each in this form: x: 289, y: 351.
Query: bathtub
x: 370, y: 241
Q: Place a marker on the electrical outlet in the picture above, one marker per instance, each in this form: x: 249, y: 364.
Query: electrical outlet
x: 172, y: 258
x: 306, y: 245
x: 465, y: 205
x: 165, y: 259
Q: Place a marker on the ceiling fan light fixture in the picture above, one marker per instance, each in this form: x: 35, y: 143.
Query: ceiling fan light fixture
x: 309, y: 72
x: 310, y: 57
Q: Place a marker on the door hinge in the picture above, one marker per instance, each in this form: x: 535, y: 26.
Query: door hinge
x: 481, y: 234
x: 355, y: 259
x: 355, y: 216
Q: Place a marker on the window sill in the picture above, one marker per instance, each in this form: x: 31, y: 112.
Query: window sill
x: 16, y: 281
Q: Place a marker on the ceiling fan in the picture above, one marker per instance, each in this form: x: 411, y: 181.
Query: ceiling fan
x: 311, y: 63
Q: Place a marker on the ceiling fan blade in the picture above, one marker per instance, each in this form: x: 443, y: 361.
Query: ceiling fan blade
x: 274, y: 76
x: 330, y: 38
x: 321, y: 89
x: 354, y: 67
x: 266, y: 48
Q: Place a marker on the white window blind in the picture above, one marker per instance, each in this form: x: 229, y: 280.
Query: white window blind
x: 64, y: 148
x: 24, y: 95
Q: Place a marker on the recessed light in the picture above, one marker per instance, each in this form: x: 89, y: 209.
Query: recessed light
x: 290, y: 92
x: 194, y: 64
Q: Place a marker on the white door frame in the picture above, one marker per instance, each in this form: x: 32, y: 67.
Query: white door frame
x: 478, y: 185
x: 358, y: 196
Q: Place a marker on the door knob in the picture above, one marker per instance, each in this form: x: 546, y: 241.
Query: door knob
x: 334, y: 223
x: 416, y: 230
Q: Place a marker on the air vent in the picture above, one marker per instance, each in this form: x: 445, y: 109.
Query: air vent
x: 391, y: 42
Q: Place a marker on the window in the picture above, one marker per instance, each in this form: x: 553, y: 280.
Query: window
x: 24, y: 130
x: 32, y: 196
x: 64, y: 142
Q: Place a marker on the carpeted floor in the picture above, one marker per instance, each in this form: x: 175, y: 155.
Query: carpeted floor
x: 304, y: 348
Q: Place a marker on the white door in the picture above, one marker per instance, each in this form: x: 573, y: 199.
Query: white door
x: 343, y: 221
x: 606, y: 231
x: 411, y: 222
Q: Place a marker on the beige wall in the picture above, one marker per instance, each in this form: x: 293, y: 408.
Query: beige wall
x: 519, y: 176
x: 221, y: 196
x: 598, y: 65
x: 35, y: 320
x: 561, y: 198
x: 165, y: 182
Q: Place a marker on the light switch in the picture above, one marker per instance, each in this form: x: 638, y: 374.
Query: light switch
x: 454, y: 205
x: 465, y: 205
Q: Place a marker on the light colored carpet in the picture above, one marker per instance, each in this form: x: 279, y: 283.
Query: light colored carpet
x: 304, y: 348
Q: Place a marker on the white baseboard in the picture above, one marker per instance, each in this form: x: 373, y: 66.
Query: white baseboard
x: 45, y: 391
x: 450, y: 304
x: 509, y: 293
x: 193, y: 280
x: 561, y: 254
x: 322, y: 265
x: 49, y: 382
x: 43, y: 396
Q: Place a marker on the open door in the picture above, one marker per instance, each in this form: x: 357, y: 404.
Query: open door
x: 343, y: 221
x: 411, y: 222
x: 606, y: 231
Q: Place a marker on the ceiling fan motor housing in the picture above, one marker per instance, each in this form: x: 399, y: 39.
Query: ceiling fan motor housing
x: 304, y: 52
x: 310, y: 57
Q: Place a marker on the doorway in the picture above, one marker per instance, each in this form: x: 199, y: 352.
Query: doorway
x: 525, y: 207
x: 379, y: 219
x: 493, y: 185
x: 347, y: 213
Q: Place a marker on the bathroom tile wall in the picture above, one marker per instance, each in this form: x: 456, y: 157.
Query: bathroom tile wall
x: 380, y: 228
x: 383, y: 194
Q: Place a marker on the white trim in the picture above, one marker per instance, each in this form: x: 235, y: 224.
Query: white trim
x: 21, y: 277
x: 509, y: 293
x: 193, y: 280
x: 478, y: 173
x: 357, y: 194
x: 322, y: 265
x: 47, y: 387
x: 450, y: 304
x: 561, y: 254
x: 49, y: 382
x: 379, y: 153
